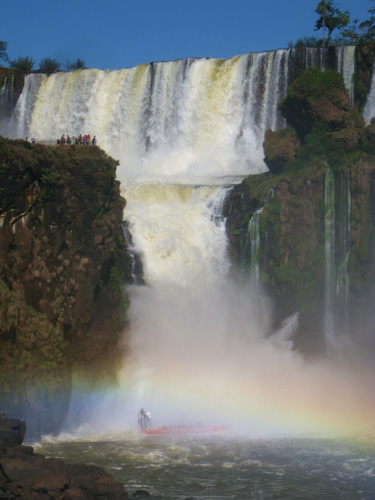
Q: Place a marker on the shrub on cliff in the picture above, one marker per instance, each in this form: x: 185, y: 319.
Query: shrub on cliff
x: 49, y: 65
x: 317, y: 96
x: 324, y: 125
x: 25, y: 63
x: 280, y: 148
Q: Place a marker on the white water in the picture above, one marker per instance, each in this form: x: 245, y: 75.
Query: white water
x: 346, y: 66
x: 369, y: 109
x: 330, y: 275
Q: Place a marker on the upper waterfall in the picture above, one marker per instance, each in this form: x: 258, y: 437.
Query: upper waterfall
x: 191, y: 121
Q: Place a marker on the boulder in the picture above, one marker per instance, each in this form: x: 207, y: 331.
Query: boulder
x: 27, y: 476
x: 12, y: 431
x: 280, y: 148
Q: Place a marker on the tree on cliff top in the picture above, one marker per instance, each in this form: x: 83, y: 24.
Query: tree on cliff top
x: 369, y: 25
x: 330, y: 17
x: 78, y: 64
x: 49, y: 65
x: 25, y: 63
x: 3, y: 49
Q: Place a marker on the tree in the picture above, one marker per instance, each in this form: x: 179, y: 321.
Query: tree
x: 331, y: 18
x: 368, y: 26
x: 322, y: 9
x: 49, y: 65
x: 24, y: 63
x: 78, y: 64
x: 3, y: 49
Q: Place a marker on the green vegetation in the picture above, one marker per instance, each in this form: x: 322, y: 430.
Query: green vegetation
x: 332, y: 20
x: 73, y: 66
x: 3, y: 51
x: 368, y: 27
x: 24, y: 63
x: 318, y: 111
x: 49, y: 65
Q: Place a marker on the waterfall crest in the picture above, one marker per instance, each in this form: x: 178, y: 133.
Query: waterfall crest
x: 191, y: 121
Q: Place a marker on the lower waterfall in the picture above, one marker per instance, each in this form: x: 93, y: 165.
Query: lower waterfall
x: 201, y: 347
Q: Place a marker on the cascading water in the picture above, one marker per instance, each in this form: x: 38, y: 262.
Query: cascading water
x: 346, y: 66
x: 369, y: 109
x: 342, y: 287
x: 252, y: 245
x: 254, y: 239
x: 184, y: 131
x: 330, y: 275
x: 336, y: 259
x: 19, y: 124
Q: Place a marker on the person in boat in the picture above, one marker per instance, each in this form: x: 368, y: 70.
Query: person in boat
x: 142, y: 419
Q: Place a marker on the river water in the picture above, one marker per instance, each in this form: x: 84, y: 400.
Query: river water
x: 228, y: 467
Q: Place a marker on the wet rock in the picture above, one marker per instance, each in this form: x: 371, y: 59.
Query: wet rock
x: 141, y: 494
x: 280, y: 148
x: 12, y: 431
x: 30, y: 476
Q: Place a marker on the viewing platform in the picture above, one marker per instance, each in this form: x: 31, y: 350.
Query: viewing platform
x: 57, y: 142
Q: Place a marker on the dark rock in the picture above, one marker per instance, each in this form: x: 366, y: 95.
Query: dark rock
x: 280, y: 148
x: 292, y: 245
x: 30, y: 476
x: 12, y: 431
x: 141, y: 493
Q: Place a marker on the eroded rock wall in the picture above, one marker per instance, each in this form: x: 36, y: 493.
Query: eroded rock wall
x: 63, y: 263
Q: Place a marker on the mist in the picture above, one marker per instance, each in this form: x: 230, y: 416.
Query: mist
x: 201, y: 347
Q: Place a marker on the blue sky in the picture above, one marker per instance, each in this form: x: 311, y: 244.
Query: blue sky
x: 115, y: 34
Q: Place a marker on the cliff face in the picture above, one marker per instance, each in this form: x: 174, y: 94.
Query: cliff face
x: 11, y: 85
x: 292, y: 248
x: 316, y: 227
x: 62, y: 267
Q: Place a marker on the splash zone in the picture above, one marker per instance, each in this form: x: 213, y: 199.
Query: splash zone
x: 173, y: 431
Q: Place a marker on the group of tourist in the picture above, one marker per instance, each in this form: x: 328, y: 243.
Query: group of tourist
x: 81, y: 139
x: 66, y: 139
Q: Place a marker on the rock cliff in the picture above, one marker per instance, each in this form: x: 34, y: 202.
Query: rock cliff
x: 62, y: 268
x: 316, y: 225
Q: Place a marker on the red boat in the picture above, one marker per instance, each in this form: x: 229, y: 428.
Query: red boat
x: 172, y: 431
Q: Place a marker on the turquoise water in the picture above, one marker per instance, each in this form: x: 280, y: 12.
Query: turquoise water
x: 221, y: 468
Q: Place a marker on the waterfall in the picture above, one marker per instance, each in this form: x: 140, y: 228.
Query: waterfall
x: 346, y: 66
x: 336, y: 260
x: 185, y: 121
x: 254, y: 237
x: 342, y: 287
x: 181, y: 121
x: 184, y: 132
x: 135, y: 265
x: 252, y: 245
x: 329, y: 221
x: 4, y: 103
x: 19, y: 123
x: 369, y: 109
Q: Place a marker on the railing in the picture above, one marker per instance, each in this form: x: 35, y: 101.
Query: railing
x: 56, y: 142
x: 47, y: 142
